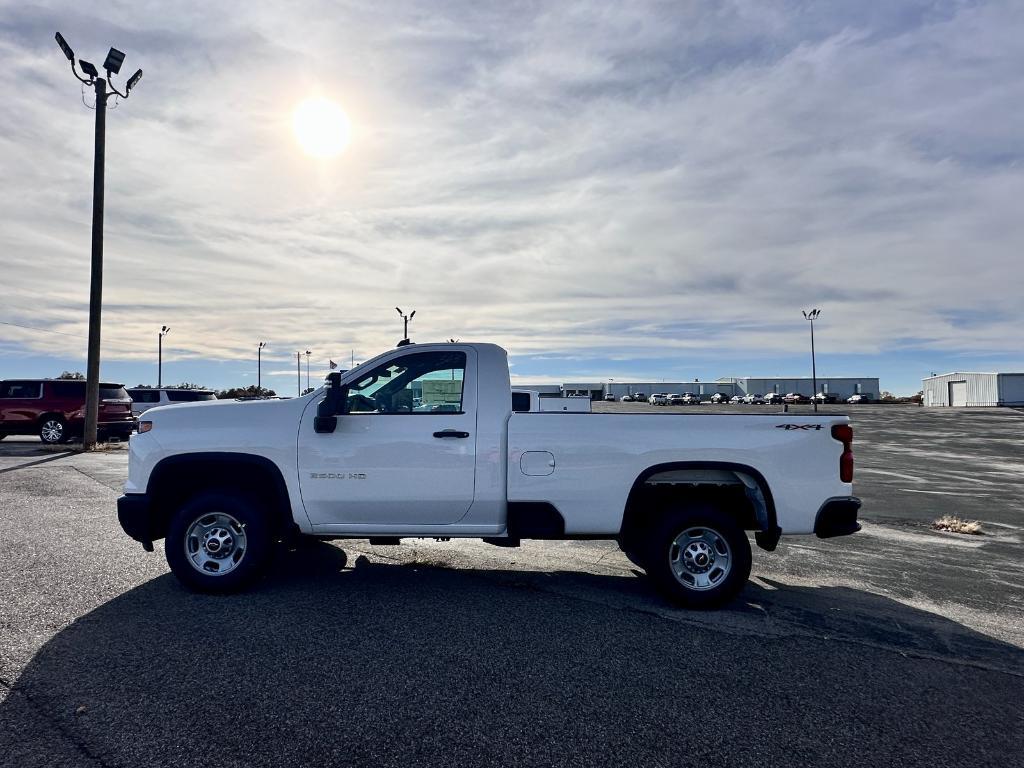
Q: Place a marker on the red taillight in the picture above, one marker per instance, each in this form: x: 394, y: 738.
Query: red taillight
x: 844, y: 434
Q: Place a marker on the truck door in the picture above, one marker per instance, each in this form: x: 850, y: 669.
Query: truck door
x: 404, y: 452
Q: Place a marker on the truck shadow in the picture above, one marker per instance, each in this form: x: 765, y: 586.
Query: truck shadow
x: 347, y: 662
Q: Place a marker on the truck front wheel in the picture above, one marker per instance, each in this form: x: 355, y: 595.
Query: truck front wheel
x: 698, y: 557
x: 218, y: 542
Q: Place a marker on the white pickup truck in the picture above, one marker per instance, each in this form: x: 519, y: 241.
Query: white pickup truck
x: 422, y: 442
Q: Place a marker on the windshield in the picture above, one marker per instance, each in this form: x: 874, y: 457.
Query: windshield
x: 113, y: 392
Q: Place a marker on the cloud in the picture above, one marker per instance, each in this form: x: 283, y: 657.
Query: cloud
x: 614, y: 180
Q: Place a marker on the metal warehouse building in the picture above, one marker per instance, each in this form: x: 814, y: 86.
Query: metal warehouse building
x: 830, y: 385
x: 842, y: 388
x: 703, y: 388
x: 974, y: 389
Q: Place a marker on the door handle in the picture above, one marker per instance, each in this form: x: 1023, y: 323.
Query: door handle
x: 451, y: 433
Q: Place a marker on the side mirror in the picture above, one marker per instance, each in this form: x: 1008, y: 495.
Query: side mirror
x: 326, y: 420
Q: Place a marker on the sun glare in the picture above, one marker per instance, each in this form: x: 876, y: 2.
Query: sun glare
x: 321, y: 127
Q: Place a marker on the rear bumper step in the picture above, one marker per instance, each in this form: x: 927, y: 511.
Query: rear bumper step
x: 837, y: 517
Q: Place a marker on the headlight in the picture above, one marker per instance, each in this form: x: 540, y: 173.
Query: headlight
x: 145, y: 426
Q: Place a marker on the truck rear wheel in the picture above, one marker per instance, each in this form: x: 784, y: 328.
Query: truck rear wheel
x: 219, y: 541
x: 698, y: 556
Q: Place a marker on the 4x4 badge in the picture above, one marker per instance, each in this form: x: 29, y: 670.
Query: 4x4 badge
x: 798, y: 426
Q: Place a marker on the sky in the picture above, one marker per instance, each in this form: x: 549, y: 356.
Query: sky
x: 608, y: 190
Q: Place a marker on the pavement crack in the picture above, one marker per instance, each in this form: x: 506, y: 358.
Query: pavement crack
x: 15, y: 690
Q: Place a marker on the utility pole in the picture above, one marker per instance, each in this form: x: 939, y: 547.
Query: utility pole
x: 298, y: 374
x: 112, y: 65
x: 308, y: 353
x: 259, y: 366
x: 164, y: 330
x: 813, y: 315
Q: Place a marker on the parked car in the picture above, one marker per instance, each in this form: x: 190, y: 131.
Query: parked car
x: 720, y: 397
x: 54, y: 409
x: 144, y: 398
x: 658, y: 398
x: 639, y: 397
x: 795, y: 397
x: 222, y: 482
x: 626, y: 399
x: 858, y: 399
x: 609, y: 397
x: 825, y: 397
x: 736, y: 400
x: 773, y: 398
x: 753, y: 399
x: 675, y: 398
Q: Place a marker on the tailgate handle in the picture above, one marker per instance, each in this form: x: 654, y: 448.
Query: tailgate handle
x: 451, y: 433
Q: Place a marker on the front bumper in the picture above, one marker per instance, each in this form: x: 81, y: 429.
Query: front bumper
x: 134, y: 513
x: 837, y: 517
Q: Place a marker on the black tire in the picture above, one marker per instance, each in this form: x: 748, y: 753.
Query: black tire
x: 53, y: 430
x: 229, y: 516
x: 663, y: 557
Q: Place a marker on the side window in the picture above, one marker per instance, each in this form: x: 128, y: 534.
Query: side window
x: 189, y: 395
x: 20, y: 389
x: 422, y: 382
x: 521, y: 402
x: 144, y: 395
x: 67, y: 389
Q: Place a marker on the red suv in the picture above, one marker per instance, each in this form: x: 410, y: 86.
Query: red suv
x: 54, y: 409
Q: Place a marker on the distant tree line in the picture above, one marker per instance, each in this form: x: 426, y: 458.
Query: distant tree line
x: 250, y: 391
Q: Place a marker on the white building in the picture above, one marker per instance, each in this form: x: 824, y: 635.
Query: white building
x: 974, y: 389
x: 840, y: 387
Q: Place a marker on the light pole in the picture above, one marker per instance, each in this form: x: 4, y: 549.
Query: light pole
x: 164, y: 330
x: 259, y: 366
x: 811, y: 316
x: 308, y: 353
x: 112, y: 65
x: 405, y: 327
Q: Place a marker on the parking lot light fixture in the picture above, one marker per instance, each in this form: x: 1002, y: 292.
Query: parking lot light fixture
x: 133, y: 81
x: 405, y: 327
x: 164, y: 330
x: 811, y: 316
x: 259, y: 366
x: 113, y: 62
x: 65, y: 47
x: 308, y: 353
x: 103, y: 88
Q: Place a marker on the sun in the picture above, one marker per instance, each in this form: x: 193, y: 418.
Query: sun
x: 321, y: 127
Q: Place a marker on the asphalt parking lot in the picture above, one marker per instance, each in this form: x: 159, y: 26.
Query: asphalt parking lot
x: 897, y: 646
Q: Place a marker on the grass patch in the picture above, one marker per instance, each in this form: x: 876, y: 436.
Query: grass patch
x: 954, y: 524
